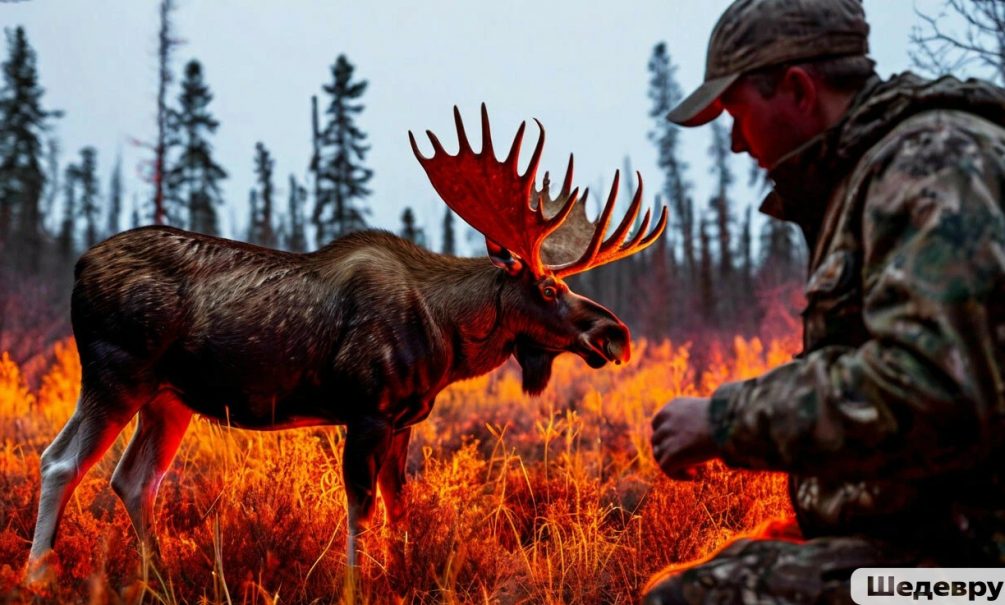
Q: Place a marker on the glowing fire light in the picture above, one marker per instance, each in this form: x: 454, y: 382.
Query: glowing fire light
x: 511, y: 499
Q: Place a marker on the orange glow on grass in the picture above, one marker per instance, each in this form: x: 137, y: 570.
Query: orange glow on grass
x: 554, y: 499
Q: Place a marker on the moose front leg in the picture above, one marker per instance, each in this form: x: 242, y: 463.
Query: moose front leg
x: 367, y: 446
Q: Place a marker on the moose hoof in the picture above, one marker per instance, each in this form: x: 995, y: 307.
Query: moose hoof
x: 41, y: 573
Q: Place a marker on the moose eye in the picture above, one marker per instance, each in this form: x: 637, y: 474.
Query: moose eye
x: 549, y: 292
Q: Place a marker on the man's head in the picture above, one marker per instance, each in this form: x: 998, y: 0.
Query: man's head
x: 784, y: 69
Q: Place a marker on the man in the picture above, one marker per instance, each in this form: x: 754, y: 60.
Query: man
x: 890, y: 421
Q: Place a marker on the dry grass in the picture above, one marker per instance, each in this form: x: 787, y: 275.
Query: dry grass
x: 554, y: 499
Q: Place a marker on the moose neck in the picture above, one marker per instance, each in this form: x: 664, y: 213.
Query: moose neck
x: 467, y: 298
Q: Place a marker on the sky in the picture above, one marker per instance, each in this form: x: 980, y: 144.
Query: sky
x: 579, y: 66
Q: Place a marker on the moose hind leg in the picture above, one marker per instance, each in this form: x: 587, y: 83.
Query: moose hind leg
x: 366, y: 448
x: 162, y: 424
x: 392, y: 476
x: 100, y: 415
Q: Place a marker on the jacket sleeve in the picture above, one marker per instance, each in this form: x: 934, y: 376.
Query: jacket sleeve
x: 924, y: 395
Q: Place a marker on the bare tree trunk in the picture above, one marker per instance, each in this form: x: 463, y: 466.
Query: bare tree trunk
x: 316, y: 168
x: 165, y: 44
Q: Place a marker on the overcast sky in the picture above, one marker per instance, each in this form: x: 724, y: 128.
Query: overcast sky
x: 579, y: 66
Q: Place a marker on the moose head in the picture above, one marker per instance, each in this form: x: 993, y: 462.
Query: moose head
x: 538, y: 241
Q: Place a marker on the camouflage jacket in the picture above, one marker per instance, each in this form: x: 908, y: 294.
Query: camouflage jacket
x: 891, y: 420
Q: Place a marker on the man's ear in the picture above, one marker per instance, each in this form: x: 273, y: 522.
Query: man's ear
x: 502, y: 258
x: 800, y: 84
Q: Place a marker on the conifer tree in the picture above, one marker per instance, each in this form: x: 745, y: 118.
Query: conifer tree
x: 449, y: 244
x: 296, y: 240
x: 23, y: 122
x: 409, y: 230
x: 88, y: 208
x: 192, y: 180
x: 665, y: 93
x: 746, y: 254
x: 165, y: 44
x: 625, y: 273
x: 315, y: 165
x: 115, y: 199
x: 655, y: 285
x: 706, y: 287
x: 68, y: 228
x: 53, y: 182
x: 135, y: 219
x: 781, y: 253
x: 720, y: 152
x: 342, y: 176
x: 262, y: 230
x: 252, y: 216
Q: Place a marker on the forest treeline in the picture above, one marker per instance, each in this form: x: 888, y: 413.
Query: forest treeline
x: 709, y: 275
x: 709, y: 271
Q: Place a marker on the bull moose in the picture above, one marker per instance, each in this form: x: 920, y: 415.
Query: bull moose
x: 364, y: 332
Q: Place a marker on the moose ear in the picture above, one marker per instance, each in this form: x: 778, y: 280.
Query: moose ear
x: 502, y: 258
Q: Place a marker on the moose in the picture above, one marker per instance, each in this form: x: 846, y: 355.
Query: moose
x: 364, y: 332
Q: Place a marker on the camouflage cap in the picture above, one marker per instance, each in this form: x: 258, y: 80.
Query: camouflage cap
x: 752, y: 34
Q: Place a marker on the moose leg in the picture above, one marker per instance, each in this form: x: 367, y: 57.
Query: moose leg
x: 102, y: 411
x: 161, y: 426
x: 366, y: 448
x: 392, y: 476
x: 392, y: 484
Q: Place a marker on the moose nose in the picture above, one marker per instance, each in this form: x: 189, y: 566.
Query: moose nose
x: 619, y: 345
x: 613, y: 340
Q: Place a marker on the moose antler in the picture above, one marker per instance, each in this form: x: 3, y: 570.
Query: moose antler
x: 579, y: 244
x: 490, y: 195
x: 505, y: 207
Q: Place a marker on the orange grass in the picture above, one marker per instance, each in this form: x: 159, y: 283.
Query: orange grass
x: 554, y: 499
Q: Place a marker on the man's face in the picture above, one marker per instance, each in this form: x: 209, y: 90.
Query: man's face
x: 767, y: 128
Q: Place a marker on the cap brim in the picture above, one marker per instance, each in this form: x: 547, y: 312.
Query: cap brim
x: 702, y: 106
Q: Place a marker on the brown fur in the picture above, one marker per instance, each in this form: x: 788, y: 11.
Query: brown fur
x: 364, y: 332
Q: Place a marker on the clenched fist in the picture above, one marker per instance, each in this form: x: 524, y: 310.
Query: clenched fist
x: 682, y: 437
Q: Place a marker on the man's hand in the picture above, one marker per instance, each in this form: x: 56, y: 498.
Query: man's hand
x: 682, y: 437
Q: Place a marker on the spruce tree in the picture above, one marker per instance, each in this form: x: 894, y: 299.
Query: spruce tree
x: 706, y: 286
x: 135, y: 218
x: 342, y: 176
x: 409, y: 230
x: 262, y: 231
x: 53, y: 182
x: 745, y: 315
x: 746, y: 254
x: 192, y: 180
x: 781, y: 256
x: 449, y: 244
x: 654, y: 285
x: 23, y: 122
x: 115, y: 199
x: 88, y: 208
x: 665, y: 93
x: 296, y: 239
x: 720, y: 151
x: 68, y: 227
x: 252, y: 235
